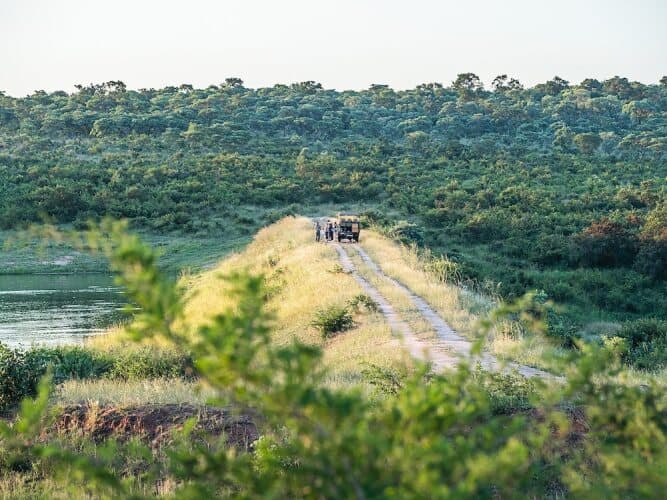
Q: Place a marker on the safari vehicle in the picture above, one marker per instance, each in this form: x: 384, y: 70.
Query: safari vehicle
x: 348, y: 227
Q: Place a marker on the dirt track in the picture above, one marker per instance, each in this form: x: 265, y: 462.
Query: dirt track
x: 449, y: 348
x: 417, y: 348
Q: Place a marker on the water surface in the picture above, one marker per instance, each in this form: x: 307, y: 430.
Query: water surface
x: 57, y: 309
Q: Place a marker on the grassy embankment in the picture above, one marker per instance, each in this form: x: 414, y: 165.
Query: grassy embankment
x: 302, y: 278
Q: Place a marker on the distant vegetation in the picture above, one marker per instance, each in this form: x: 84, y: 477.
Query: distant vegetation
x: 559, y: 188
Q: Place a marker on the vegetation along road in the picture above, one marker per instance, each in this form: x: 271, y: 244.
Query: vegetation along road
x: 450, y: 346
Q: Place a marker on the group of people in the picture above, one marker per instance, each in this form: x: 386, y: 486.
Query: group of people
x: 329, y: 230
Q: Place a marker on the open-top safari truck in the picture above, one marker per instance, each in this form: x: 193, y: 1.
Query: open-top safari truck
x: 348, y: 227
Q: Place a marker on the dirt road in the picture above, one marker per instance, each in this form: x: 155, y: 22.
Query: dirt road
x: 449, y: 348
x: 417, y: 348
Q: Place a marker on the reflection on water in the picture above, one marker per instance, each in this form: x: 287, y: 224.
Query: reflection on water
x: 56, y: 309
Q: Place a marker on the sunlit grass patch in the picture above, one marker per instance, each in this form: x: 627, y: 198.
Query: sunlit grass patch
x: 371, y: 342
x: 302, y: 277
x: 132, y: 392
x: 32, y: 485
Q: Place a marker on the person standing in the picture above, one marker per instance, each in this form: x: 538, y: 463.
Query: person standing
x: 318, y: 230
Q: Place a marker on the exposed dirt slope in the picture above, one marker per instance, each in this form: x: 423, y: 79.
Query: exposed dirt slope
x: 153, y: 423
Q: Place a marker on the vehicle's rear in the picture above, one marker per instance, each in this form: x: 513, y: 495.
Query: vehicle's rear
x: 348, y: 227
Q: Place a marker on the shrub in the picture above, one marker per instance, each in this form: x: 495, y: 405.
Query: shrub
x: 148, y: 363
x: 406, y: 232
x: 443, y: 269
x: 508, y: 393
x: 560, y: 328
x: 69, y: 362
x: 337, y: 269
x: 333, y: 320
x: 652, y: 258
x: 20, y: 371
x: 386, y: 380
x: 371, y: 217
x: 363, y: 301
x: 646, y: 343
x: 14, y: 384
x: 605, y: 243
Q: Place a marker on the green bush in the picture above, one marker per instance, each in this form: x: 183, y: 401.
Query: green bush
x: 68, y: 362
x: 361, y: 302
x: 148, y: 363
x: 386, y: 380
x: 21, y: 371
x: 652, y: 258
x: 646, y: 343
x: 605, y: 243
x: 508, y: 393
x: 15, y: 382
x: 333, y: 320
x: 406, y: 232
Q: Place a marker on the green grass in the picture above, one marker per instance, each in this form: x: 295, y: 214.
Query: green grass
x: 21, y: 255
x: 178, y: 252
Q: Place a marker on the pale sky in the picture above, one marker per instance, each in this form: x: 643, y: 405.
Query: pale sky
x: 344, y: 44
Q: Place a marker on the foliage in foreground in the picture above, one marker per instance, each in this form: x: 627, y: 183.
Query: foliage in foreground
x: 434, y: 436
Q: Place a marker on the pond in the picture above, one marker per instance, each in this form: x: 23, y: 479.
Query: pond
x: 50, y: 309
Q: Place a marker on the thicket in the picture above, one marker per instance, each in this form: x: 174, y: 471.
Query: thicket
x: 333, y: 320
x: 560, y: 187
x: 646, y: 343
x: 435, y: 436
x: 21, y: 370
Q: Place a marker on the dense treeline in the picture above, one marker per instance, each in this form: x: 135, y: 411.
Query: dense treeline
x: 558, y: 187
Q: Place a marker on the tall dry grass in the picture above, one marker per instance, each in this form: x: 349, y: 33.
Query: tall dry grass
x: 460, y: 307
x: 132, y: 392
x: 302, y: 277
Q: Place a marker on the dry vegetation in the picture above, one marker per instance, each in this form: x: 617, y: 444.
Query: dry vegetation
x: 132, y: 392
x: 460, y: 307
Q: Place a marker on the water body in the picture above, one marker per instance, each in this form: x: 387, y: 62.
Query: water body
x: 57, y: 309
